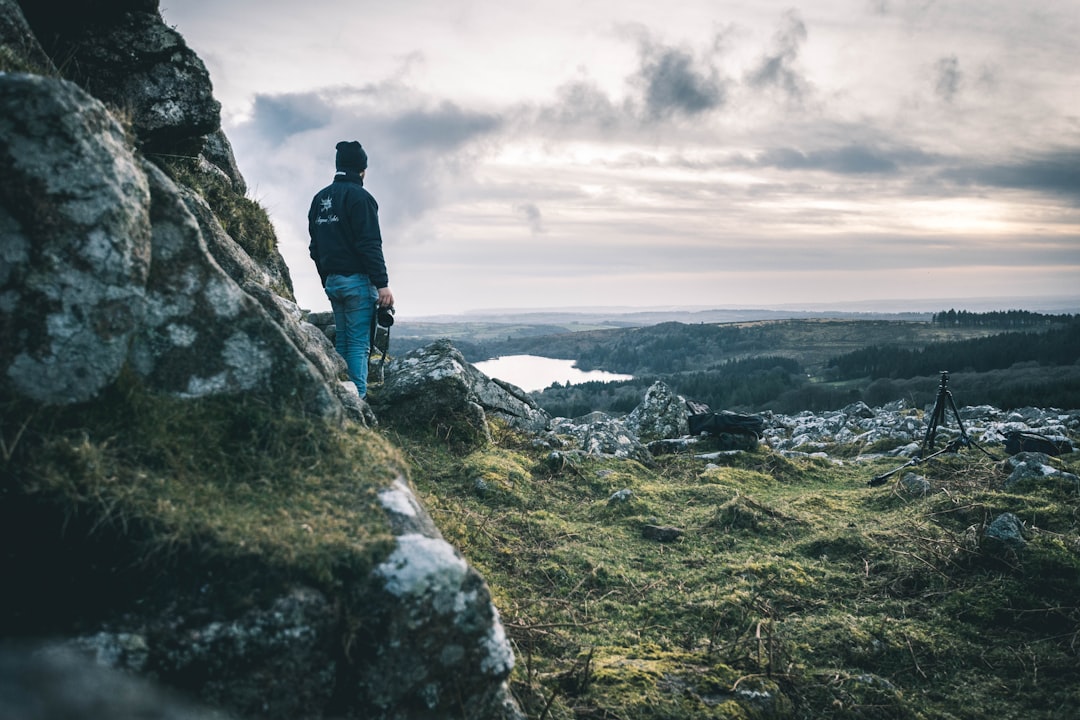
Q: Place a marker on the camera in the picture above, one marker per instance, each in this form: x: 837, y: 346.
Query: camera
x: 385, y: 316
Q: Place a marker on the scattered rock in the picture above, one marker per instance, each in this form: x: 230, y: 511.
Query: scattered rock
x: 602, y: 435
x: 1005, y: 533
x: 916, y: 484
x: 661, y: 414
x: 661, y: 533
x: 1034, y: 468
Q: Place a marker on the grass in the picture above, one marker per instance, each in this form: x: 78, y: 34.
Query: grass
x: 794, y: 591
x: 242, y: 218
x: 156, y: 492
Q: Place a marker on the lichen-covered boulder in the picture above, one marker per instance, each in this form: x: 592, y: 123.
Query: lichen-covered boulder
x: 435, y: 387
x: 277, y: 661
x: 105, y: 267
x: 604, y: 436
x: 124, y: 54
x: 75, y: 249
x: 433, y: 644
x: 202, y: 334
x: 661, y: 414
x: 1033, y: 469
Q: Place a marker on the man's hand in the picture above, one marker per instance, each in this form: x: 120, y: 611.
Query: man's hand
x: 386, y: 298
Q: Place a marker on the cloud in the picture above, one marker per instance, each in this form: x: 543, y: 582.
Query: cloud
x: 279, y: 116
x: 673, y: 85
x: 1055, y: 171
x: 778, y: 69
x: 582, y: 103
x: 532, y: 216
x: 948, y: 78
x: 851, y: 159
x: 446, y: 127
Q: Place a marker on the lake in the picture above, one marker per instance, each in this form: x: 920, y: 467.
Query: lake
x: 532, y: 372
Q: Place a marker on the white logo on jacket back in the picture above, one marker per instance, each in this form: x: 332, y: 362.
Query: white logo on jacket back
x: 326, y: 205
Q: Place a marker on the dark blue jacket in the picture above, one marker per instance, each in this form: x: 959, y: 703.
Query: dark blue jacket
x: 343, y: 223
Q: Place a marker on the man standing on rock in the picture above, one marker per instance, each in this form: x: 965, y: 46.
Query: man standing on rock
x: 346, y: 245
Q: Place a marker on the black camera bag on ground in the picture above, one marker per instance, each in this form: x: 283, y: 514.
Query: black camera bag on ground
x: 1019, y: 441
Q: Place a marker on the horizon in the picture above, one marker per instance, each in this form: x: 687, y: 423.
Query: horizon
x: 1048, y: 305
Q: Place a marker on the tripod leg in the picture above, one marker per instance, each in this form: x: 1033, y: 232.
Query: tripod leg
x: 936, y: 417
x: 956, y: 414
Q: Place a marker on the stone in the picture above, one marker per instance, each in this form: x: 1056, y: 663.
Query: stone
x: 915, y: 484
x: 436, y: 621
x: 661, y: 414
x: 202, y: 334
x: 1029, y: 469
x: 20, y: 50
x: 125, y: 55
x: 75, y: 221
x: 436, y: 388
x: 56, y: 683
x: 603, y: 436
x: 1005, y: 533
x: 858, y: 410
x: 661, y: 533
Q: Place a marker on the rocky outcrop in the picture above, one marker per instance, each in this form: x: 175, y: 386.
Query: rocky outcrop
x: 75, y: 217
x: 121, y: 52
x: 661, y: 414
x: 600, y: 434
x: 118, y: 265
x: 19, y: 47
x: 435, y: 388
x: 106, y: 268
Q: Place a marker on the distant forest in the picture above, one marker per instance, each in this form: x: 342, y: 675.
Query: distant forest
x: 1039, y: 366
x: 994, y: 352
x: 998, y: 319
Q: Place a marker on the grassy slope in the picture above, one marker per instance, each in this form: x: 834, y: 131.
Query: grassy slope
x: 791, y: 576
x: 129, y: 502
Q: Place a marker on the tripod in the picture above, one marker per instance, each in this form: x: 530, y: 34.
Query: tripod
x: 944, y: 397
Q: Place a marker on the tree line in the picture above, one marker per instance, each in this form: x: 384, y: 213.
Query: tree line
x: 994, y: 352
x: 998, y: 319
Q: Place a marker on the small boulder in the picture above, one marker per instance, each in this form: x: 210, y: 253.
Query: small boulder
x: 1004, y: 534
x: 915, y: 484
x: 1034, y: 468
x: 435, y: 387
x: 661, y: 533
x: 661, y: 415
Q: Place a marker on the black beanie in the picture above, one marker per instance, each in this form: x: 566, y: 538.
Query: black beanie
x: 350, y: 156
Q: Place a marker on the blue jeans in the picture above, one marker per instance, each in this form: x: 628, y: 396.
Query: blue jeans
x: 353, y: 299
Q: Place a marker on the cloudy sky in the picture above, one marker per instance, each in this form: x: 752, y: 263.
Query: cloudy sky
x: 654, y: 154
